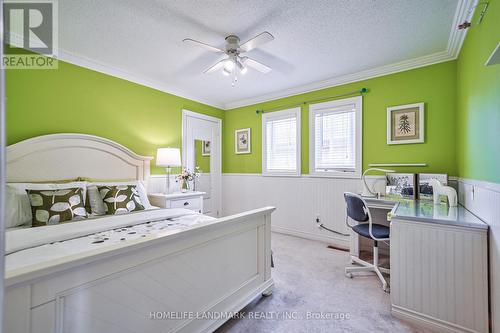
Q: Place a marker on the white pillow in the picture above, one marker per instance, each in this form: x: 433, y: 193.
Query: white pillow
x: 17, y: 208
x: 97, y: 204
x: 17, y: 203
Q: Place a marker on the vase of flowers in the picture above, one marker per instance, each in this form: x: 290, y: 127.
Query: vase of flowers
x: 185, y: 177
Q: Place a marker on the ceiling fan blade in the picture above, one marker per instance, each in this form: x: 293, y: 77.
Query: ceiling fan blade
x: 203, y: 45
x: 256, y: 41
x: 256, y: 65
x: 215, y: 67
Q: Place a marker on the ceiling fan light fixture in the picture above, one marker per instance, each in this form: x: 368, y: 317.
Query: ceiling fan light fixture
x: 241, y: 67
x: 233, y: 64
x: 229, y: 66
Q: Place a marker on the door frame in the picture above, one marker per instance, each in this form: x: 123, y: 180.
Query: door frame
x: 187, y: 113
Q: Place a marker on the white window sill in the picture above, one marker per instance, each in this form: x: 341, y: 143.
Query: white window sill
x: 281, y: 174
x: 349, y: 175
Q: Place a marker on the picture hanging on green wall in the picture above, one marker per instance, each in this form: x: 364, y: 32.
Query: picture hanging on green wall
x: 242, y: 141
x: 405, y: 124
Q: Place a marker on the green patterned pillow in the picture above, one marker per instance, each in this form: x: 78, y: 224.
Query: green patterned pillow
x: 120, y: 199
x: 56, y: 206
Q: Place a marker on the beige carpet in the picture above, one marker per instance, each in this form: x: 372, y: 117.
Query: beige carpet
x: 310, y: 282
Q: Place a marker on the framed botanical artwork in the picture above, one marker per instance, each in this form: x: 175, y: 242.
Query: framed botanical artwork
x: 405, y: 124
x: 401, y: 185
x: 424, y: 189
x: 205, y: 148
x: 242, y: 141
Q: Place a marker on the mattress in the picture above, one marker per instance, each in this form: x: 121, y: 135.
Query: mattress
x: 32, y: 246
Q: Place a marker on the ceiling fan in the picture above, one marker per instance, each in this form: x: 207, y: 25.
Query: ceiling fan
x: 233, y: 61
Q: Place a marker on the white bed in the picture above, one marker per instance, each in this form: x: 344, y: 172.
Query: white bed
x: 161, y: 270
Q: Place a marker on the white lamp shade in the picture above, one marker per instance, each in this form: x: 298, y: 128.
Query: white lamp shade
x: 168, y: 157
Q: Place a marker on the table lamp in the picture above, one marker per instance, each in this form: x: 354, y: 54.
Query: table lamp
x: 168, y: 158
x: 366, y: 190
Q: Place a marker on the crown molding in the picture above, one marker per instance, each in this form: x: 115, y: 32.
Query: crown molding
x: 85, y: 62
x: 107, y: 69
x: 464, y: 11
x: 345, y: 79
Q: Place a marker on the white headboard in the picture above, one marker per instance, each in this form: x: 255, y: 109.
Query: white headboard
x: 70, y: 155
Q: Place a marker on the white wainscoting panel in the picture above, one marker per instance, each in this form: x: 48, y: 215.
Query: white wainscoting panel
x: 483, y: 199
x: 298, y: 201
x: 439, y: 275
x: 158, y: 184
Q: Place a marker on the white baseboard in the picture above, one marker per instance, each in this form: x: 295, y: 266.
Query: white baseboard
x: 428, y: 322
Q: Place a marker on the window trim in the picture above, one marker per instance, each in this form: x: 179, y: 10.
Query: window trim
x: 275, y: 116
x: 317, y: 108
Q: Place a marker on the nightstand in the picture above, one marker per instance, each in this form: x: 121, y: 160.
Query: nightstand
x: 187, y: 200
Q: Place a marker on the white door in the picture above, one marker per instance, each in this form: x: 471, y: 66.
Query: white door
x: 201, y: 147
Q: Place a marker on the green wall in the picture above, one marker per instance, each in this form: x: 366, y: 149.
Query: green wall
x: 435, y: 85
x: 75, y: 99
x: 478, y: 91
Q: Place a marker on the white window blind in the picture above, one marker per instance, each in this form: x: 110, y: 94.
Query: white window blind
x: 334, y: 139
x: 281, y: 142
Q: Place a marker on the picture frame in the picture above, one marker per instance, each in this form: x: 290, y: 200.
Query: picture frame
x: 425, y: 191
x: 405, y: 124
x: 242, y: 141
x: 205, y: 148
x: 401, y: 185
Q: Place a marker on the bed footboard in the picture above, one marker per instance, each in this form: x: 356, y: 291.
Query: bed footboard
x: 187, y: 282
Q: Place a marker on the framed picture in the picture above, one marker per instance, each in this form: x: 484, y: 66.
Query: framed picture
x: 424, y: 189
x: 205, y: 148
x: 242, y: 141
x: 405, y: 124
x: 401, y: 185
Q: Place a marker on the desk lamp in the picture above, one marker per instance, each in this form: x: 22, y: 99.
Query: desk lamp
x: 366, y: 190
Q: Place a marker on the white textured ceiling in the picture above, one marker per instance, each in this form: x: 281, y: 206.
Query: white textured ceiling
x: 315, y: 40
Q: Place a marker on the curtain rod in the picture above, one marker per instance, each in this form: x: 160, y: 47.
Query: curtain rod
x: 361, y: 91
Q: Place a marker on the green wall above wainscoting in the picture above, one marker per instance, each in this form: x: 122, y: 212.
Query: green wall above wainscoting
x: 75, y: 99
x: 434, y: 85
x: 478, y: 129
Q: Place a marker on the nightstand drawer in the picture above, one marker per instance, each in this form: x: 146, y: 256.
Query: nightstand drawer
x: 191, y: 203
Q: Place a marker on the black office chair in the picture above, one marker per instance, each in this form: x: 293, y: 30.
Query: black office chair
x: 358, y: 211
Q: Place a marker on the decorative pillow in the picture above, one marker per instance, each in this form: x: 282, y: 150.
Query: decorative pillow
x: 120, y: 199
x: 94, y: 204
x: 56, y: 206
x: 138, y: 184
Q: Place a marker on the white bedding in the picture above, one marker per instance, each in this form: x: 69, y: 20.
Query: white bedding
x: 28, y: 246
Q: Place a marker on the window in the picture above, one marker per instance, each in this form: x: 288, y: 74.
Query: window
x: 281, y: 143
x: 335, y: 138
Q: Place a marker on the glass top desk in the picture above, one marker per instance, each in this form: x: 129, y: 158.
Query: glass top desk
x: 384, y: 209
